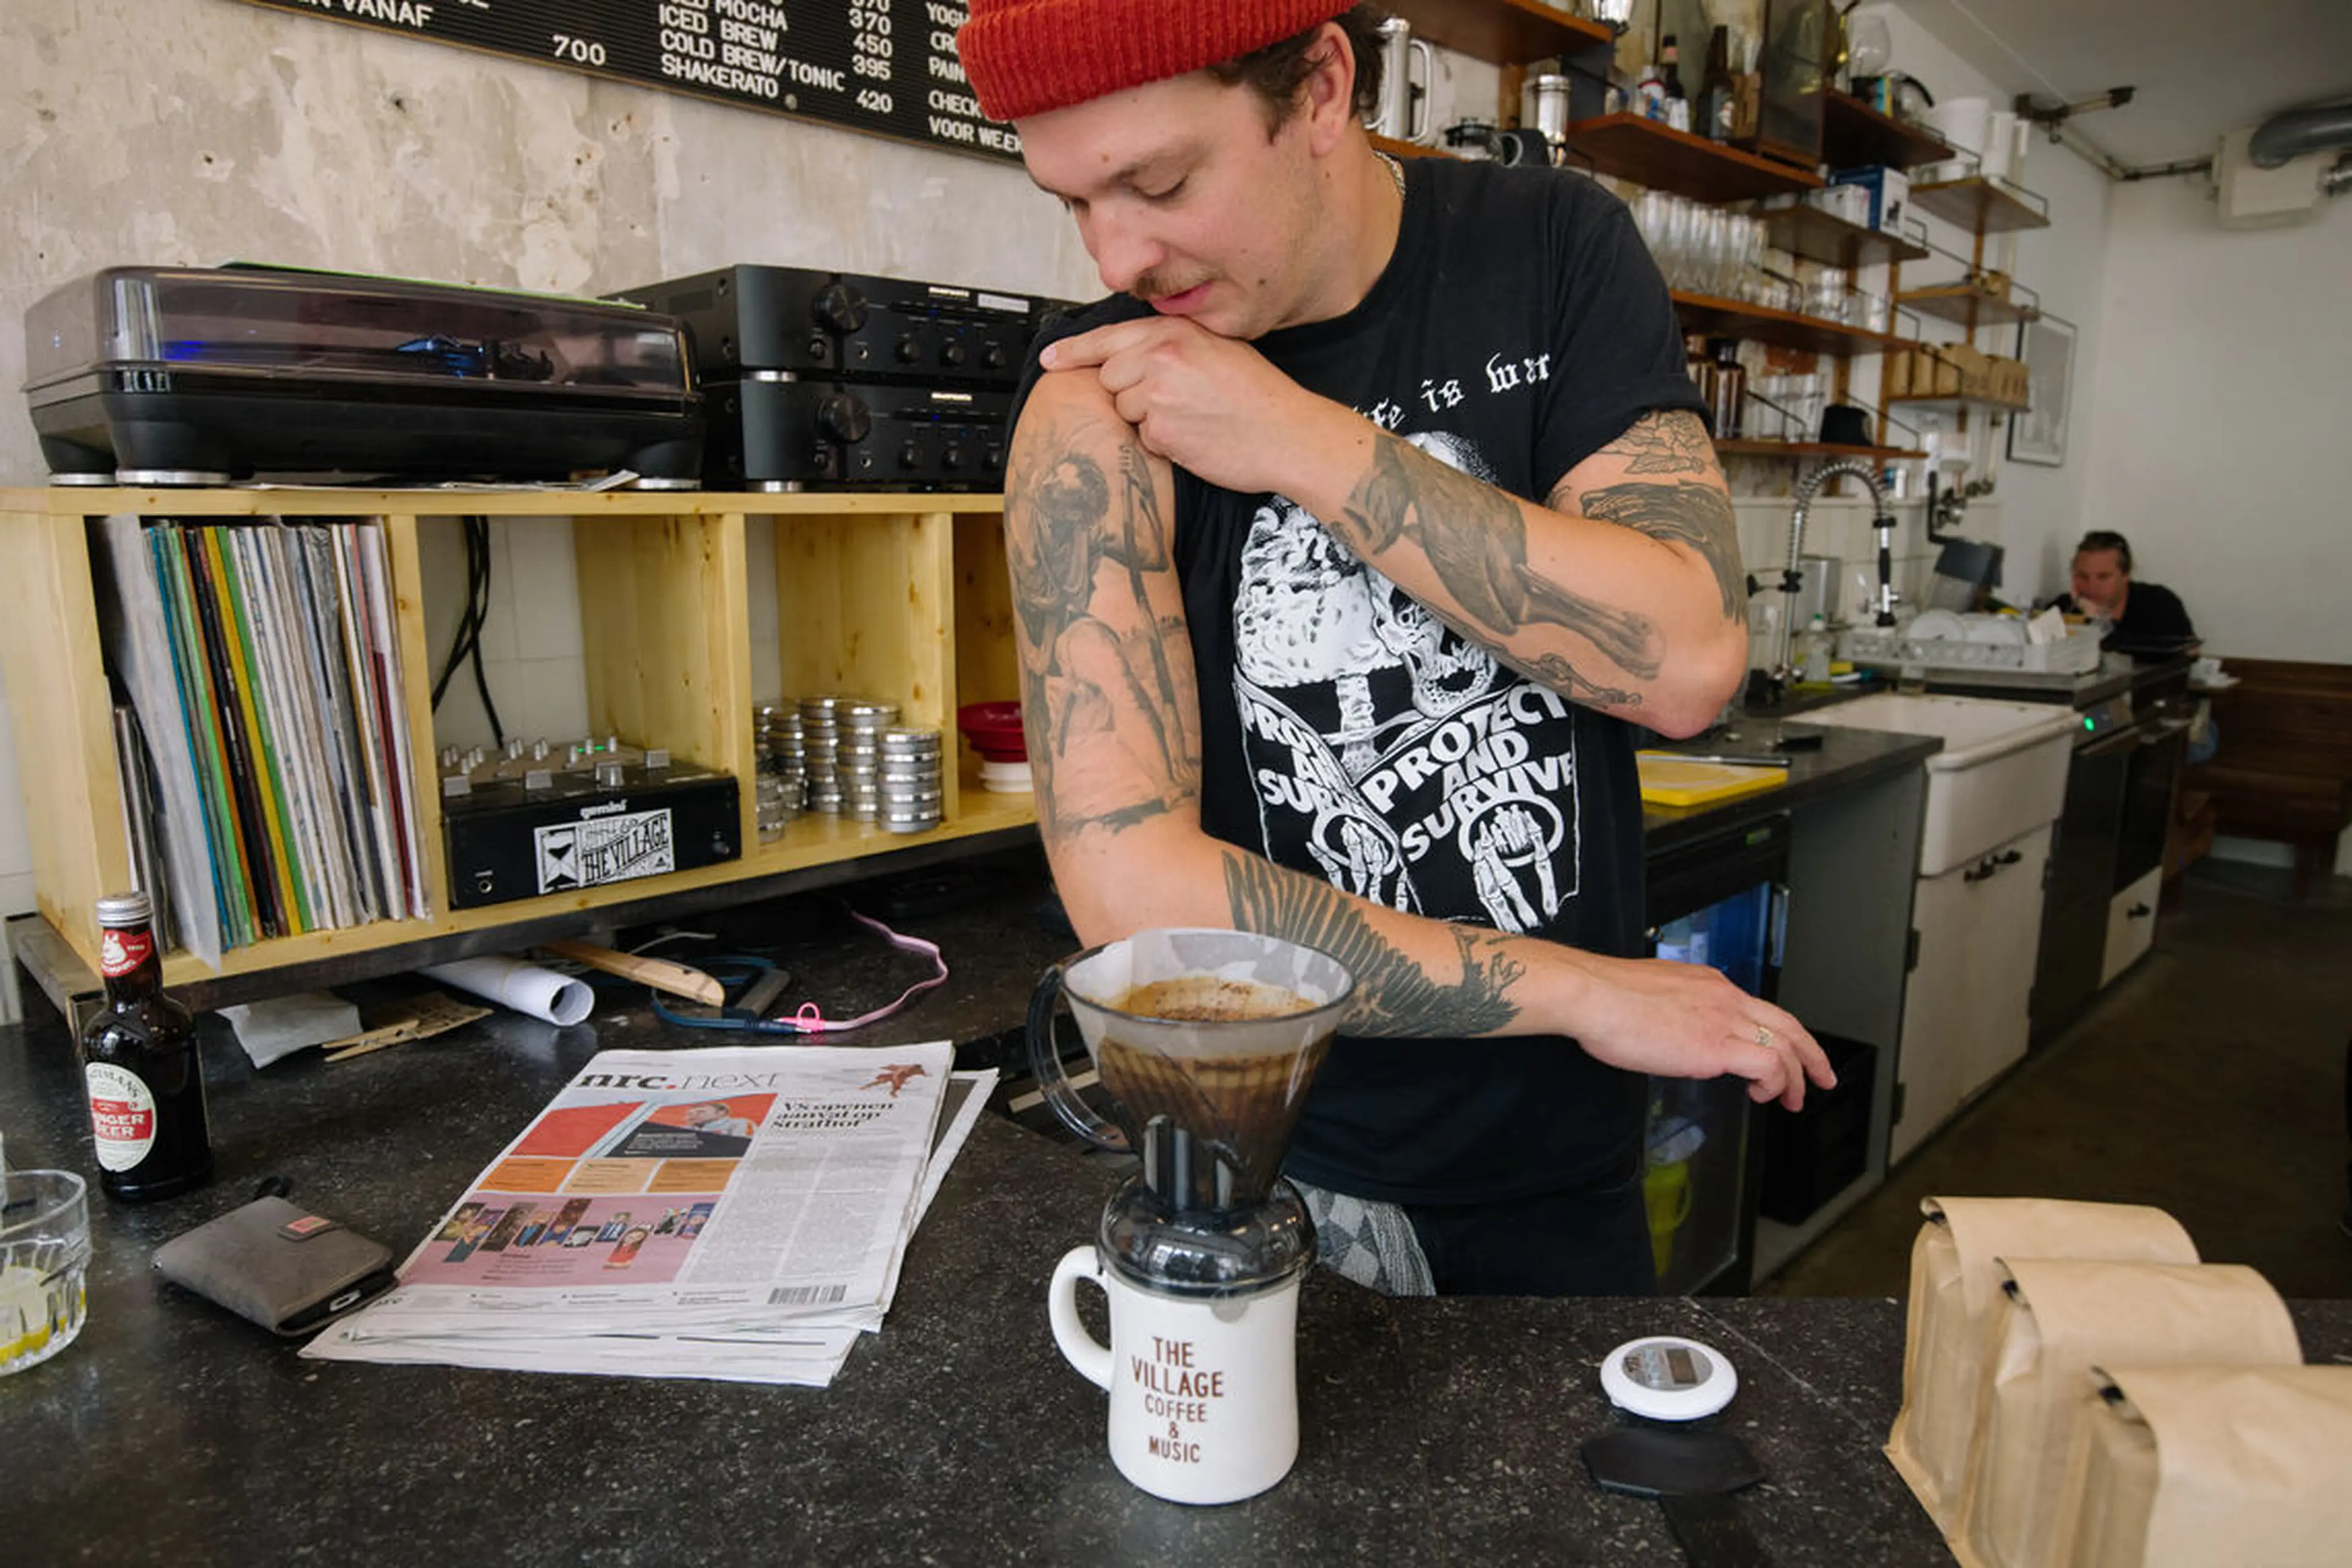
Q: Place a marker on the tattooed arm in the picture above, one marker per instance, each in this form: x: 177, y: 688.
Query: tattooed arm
x: 1111, y: 707
x: 1622, y: 591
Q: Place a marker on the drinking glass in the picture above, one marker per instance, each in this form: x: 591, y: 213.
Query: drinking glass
x: 44, y: 1253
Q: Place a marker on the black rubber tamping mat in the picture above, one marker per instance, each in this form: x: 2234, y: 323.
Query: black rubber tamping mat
x: 1692, y: 1473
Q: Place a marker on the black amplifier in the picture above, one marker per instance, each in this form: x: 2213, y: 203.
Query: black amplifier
x: 517, y: 832
x: 844, y: 325
x: 772, y: 432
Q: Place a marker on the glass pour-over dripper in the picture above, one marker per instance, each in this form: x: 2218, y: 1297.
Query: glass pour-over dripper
x: 1207, y: 1041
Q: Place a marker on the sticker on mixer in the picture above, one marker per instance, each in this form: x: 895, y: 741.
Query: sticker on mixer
x: 600, y: 849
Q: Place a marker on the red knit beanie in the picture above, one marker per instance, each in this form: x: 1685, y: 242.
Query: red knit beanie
x: 1025, y: 57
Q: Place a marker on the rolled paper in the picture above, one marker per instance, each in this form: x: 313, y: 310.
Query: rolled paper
x: 525, y: 987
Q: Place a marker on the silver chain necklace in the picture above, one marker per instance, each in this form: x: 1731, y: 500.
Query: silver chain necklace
x: 1396, y: 170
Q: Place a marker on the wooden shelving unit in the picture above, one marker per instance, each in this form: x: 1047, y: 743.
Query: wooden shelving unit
x: 1967, y: 305
x: 1633, y: 147
x: 1396, y: 149
x: 1854, y: 134
x: 1502, y: 32
x: 1807, y: 450
x: 1817, y: 235
x: 901, y: 597
x: 1810, y: 449
x: 1946, y: 400
x: 1735, y: 319
x: 1982, y: 206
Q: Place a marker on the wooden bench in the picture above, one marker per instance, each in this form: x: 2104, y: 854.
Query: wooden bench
x: 2284, y: 768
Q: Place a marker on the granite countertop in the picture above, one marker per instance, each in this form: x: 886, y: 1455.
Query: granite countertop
x: 1432, y: 1431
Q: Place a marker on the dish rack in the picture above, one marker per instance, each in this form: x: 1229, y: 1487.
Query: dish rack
x: 2076, y: 654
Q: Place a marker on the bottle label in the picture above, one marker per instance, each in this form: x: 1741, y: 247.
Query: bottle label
x: 121, y: 952
x: 121, y: 1114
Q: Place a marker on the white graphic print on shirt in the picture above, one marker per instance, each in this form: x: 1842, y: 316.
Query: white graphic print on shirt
x: 1386, y: 750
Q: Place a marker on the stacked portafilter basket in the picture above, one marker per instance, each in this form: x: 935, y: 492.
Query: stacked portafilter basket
x: 820, y: 752
x: 857, y: 754
x: 780, y: 789
x: 908, y: 783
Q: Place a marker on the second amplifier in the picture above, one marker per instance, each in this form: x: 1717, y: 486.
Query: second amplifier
x: 772, y: 431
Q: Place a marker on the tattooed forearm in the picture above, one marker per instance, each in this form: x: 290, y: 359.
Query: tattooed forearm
x: 1476, y: 541
x: 1697, y: 515
x: 1395, y: 996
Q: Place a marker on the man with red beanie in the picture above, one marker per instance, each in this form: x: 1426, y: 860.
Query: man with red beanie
x: 1349, y: 540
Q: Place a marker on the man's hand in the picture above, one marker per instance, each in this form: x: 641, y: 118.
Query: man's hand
x: 1207, y: 404
x: 1687, y: 1020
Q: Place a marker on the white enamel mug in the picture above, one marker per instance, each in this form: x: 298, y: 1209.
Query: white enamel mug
x: 1203, y: 1390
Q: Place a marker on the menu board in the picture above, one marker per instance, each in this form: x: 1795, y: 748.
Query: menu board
x: 887, y: 66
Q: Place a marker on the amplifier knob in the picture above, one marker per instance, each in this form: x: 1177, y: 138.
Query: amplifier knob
x: 992, y: 460
x: 609, y: 775
x: 951, y: 459
x: 844, y: 419
x: 952, y: 354
x: 908, y: 349
x: 910, y: 456
x: 994, y: 357
x: 839, y: 308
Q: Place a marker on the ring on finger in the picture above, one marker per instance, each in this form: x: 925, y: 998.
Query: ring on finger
x: 1763, y: 1037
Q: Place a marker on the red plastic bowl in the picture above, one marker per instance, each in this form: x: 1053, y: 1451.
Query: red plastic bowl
x: 994, y: 731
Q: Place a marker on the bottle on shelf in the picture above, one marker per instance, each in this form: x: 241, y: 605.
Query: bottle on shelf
x: 140, y: 1064
x: 1649, y: 93
x: 1718, y: 93
x: 1677, y: 102
x: 1727, y: 391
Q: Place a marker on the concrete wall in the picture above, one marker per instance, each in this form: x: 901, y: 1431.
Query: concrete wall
x: 2225, y: 397
x: 205, y: 131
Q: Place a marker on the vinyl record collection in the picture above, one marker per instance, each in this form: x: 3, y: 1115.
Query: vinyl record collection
x: 276, y: 705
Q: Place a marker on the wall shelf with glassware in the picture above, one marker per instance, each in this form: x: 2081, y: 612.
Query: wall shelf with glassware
x: 1804, y: 450
x: 1982, y: 205
x: 901, y: 597
x: 1502, y: 32
x: 1816, y: 235
x: 1960, y: 402
x: 1632, y: 147
x: 1854, y: 135
x: 1785, y: 329
x: 1968, y: 305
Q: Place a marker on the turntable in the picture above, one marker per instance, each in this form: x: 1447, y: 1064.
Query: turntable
x: 158, y: 376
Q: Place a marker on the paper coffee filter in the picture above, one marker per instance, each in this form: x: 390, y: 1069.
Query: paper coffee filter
x: 1097, y: 984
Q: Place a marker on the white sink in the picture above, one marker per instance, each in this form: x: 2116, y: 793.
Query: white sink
x: 2003, y: 771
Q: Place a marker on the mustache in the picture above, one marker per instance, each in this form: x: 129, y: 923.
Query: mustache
x: 1155, y: 285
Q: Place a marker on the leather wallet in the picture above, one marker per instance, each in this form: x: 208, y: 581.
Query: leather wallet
x: 278, y: 1264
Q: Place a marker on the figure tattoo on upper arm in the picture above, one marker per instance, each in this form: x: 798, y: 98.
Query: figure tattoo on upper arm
x: 1086, y: 679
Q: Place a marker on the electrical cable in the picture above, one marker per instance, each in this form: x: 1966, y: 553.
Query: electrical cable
x: 807, y: 1019
x: 466, y: 643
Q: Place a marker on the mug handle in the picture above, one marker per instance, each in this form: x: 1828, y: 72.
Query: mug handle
x: 1079, y: 1348
x: 1053, y: 1084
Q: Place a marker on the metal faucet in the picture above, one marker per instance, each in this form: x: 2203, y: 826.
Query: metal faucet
x: 1882, y: 524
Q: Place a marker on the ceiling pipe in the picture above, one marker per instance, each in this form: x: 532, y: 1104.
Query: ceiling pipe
x: 2284, y: 137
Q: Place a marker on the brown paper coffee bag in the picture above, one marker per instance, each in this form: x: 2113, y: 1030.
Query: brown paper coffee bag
x: 1955, y: 1278
x: 2058, y: 1318
x: 2187, y: 1466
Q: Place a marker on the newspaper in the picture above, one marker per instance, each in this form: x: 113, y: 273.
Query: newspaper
x: 726, y: 1214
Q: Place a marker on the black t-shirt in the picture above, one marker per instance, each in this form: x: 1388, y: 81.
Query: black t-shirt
x: 2154, y: 621
x: 1347, y: 733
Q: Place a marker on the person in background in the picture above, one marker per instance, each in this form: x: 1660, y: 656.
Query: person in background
x: 2142, y: 617
x: 1349, y: 539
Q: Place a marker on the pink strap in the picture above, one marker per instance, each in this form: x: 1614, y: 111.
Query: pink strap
x: 808, y: 1020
